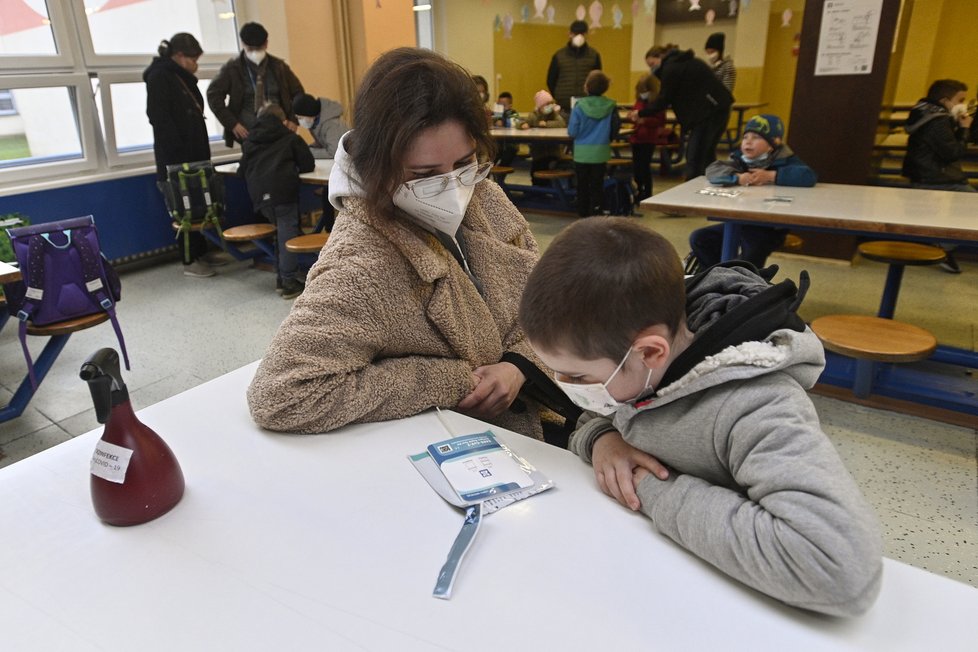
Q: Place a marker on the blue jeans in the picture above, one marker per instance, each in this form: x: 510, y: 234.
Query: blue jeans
x: 285, y: 217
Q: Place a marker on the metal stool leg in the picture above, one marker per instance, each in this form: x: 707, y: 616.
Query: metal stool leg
x: 894, y: 276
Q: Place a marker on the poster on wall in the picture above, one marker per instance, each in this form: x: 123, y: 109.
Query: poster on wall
x: 847, y: 39
x: 700, y: 11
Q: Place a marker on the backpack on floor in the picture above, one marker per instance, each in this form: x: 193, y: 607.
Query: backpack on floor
x: 64, y: 275
x: 194, y: 196
x: 620, y: 196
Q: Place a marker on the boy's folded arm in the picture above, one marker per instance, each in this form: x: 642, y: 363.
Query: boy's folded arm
x: 799, y: 530
x: 590, y: 426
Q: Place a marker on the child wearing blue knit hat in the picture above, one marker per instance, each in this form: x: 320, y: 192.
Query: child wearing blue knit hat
x: 763, y: 158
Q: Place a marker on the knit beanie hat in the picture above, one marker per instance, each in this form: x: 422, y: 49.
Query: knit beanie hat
x: 578, y: 27
x: 253, y: 35
x: 715, y: 42
x: 542, y: 99
x: 306, y: 105
x: 767, y: 126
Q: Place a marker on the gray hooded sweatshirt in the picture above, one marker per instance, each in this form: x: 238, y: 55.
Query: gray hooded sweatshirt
x: 756, y: 488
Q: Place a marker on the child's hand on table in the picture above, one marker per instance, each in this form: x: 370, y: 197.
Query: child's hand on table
x: 619, y: 467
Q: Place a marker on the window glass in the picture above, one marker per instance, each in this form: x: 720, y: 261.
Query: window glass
x: 43, y: 129
x: 25, y: 28
x: 137, y: 26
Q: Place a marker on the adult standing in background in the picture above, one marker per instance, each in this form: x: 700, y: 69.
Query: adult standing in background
x: 723, y: 66
x: 700, y: 101
x: 249, y: 81
x: 323, y: 118
x: 175, y: 108
x: 570, y: 65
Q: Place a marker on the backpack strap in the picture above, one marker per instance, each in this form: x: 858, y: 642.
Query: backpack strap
x: 92, y: 273
x: 34, y: 278
x: 211, y: 216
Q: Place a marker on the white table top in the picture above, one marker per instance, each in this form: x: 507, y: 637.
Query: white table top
x: 319, y: 176
x: 333, y: 542
x: 931, y: 214
x: 558, y: 134
x: 8, y: 273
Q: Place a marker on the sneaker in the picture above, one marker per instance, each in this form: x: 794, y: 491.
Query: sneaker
x: 291, y: 288
x: 215, y: 258
x: 197, y: 269
x: 950, y: 265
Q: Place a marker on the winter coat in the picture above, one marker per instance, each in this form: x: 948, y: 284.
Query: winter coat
x: 390, y: 324
x: 935, y: 147
x: 593, y: 124
x: 649, y: 130
x: 790, y: 170
x: 755, y: 487
x: 569, y: 67
x: 272, y: 157
x: 538, y: 149
x: 175, y: 108
x: 328, y: 128
x: 230, y: 84
x: 690, y: 88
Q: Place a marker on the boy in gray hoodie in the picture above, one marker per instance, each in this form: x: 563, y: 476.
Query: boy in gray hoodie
x: 696, y: 411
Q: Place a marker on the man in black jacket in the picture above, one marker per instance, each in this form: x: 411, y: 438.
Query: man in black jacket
x: 249, y: 81
x: 272, y: 157
x: 570, y: 65
x: 701, y: 103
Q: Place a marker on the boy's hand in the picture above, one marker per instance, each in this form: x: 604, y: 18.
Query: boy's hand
x: 757, y: 177
x: 965, y: 120
x: 496, y: 387
x: 619, y: 467
x: 291, y: 126
x: 526, y: 125
x: 632, y: 116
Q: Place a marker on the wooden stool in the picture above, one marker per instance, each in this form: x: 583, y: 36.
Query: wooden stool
x: 898, y: 255
x: 616, y: 164
x: 792, y: 242
x: 499, y: 173
x: 870, y: 340
x: 307, y: 244
x: 559, y: 182
x: 68, y: 326
x: 257, y: 234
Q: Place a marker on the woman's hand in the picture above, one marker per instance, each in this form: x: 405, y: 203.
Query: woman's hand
x: 240, y: 131
x: 619, y: 467
x: 496, y: 387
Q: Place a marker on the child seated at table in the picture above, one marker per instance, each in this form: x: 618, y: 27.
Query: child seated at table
x: 272, y: 157
x: 696, y: 411
x: 593, y: 124
x: 546, y: 115
x: 763, y: 158
x: 505, y: 115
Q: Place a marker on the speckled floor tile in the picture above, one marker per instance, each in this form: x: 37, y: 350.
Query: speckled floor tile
x: 950, y: 550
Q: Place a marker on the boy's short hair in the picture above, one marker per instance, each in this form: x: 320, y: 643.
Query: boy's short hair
x: 505, y: 94
x: 945, y: 89
x: 597, y: 83
x: 272, y: 109
x: 601, y: 282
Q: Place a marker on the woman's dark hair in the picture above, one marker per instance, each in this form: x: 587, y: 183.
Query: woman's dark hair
x: 181, y: 43
x: 405, y: 91
x: 659, y: 51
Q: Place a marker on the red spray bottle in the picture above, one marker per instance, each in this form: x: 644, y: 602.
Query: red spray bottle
x: 135, y: 476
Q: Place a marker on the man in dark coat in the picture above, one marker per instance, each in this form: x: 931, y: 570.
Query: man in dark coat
x: 570, y: 65
x: 249, y: 81
x: 700, y: 101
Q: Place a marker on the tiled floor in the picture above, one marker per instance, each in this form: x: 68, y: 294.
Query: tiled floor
x: 922, y: 476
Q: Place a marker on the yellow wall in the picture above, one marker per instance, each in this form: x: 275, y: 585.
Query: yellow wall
x: 778, y: 82
x: 521, y: 62
x: 312, y: 47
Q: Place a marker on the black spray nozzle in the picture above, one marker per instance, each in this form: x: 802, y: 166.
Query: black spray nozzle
x: 101, y: 372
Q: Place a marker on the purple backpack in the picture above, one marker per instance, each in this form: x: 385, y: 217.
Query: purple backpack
x: 65, y: 276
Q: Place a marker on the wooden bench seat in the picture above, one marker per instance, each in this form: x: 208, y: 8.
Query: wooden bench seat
x: 307, y: 244
x: 897, y: 254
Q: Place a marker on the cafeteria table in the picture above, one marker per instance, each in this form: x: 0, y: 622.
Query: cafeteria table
x: 334, y: 542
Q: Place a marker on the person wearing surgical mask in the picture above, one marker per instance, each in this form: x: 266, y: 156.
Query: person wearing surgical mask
x: 544, y: 155
x: 412, y: 303
x: 938, y: 127
x: 248, y: 82
x: 570, y: 66
x: 323, y: 118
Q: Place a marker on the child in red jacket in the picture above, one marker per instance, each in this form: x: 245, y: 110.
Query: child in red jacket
x: 646, y: 136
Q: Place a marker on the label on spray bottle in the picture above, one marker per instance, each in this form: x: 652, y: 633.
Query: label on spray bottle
x: 110, y: 462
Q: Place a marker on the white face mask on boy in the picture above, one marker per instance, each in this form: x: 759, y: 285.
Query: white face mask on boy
x: 255, y: 56
x: 439, y: 202
x: 307, y: 122
x: 595, y: 397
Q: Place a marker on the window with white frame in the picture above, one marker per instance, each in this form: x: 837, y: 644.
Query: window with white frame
x: 72, y: 104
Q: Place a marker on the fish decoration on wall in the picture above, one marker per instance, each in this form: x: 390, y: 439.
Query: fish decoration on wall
x: 550, y: 14
x: 649, y: 7
x: 539, y: 6
x: 596, y: 11
x: 733, y: 9
x: 508, y: 26
x: 786, y: 18
x: 497, y: 24
x: 710, y: 16
x: 581, y: 12
x: 617, y: 16
x: 694, y: 5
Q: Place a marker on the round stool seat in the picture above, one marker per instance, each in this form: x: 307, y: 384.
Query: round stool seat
x: 501, y: 169
x: 619, y: 162
x: 307, y: 244
x: 68, y: 325
x: 249, y: 232
x: 874, y: 338
x: 553, y: 174
x: 792, y: 242
x: 901, y: 253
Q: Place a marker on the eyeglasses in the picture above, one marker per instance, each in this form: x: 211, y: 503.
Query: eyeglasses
x: 467, y: 176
